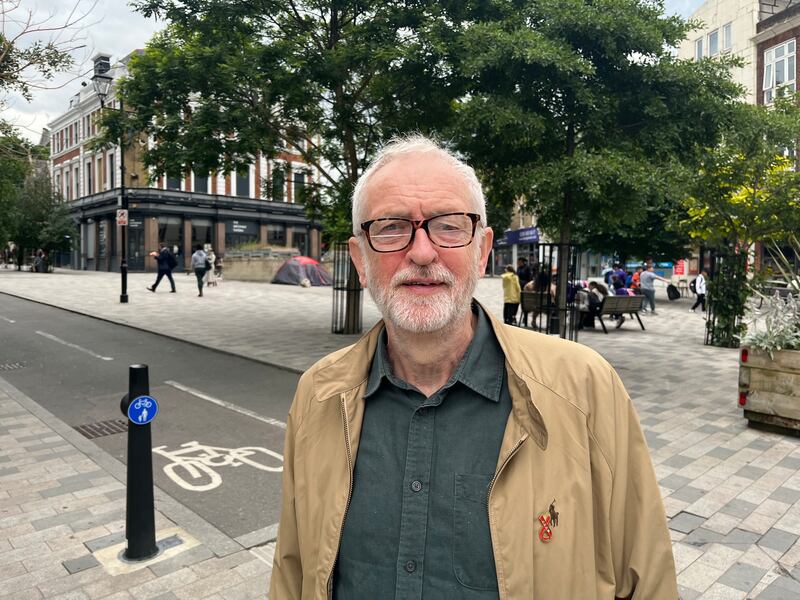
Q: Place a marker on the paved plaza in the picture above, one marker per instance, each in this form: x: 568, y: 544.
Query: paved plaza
x: 732, y: 494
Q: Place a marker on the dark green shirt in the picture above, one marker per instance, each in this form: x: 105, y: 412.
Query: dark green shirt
x: 417, y: 525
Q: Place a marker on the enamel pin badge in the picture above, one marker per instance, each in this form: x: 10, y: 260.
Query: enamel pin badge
x: 548, y: 520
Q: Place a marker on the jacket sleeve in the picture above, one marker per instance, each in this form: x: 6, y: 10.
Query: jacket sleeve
x: 287, y: 572
x: 644, y: 568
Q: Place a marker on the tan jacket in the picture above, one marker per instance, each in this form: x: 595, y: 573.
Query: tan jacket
x: 572, y: 436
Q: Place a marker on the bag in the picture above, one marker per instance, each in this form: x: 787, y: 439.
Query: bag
x: 693, y: 286
x: 172, y: 262
x: 672, y: 292
x: 207, y: 265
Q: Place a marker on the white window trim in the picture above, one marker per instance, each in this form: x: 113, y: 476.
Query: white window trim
x: 698, y: 42
x: 769, y: 89
x: 708, y: 42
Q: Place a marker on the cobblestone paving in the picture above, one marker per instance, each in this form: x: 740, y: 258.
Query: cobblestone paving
x: 732, y: 494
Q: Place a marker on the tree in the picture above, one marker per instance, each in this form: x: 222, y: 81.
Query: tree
x: 746, y: 190
x: 34, y: 49
x: 580, y: 108
x: 226, y: 82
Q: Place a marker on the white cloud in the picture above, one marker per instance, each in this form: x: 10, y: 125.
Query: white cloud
x: 109, y: 26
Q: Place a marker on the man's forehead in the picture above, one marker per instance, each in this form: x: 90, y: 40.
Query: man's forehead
x: 424, y: 179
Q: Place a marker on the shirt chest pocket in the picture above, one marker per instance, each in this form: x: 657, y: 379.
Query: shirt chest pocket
x: 473, y: 560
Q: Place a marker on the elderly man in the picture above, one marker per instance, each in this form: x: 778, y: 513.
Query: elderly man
x: 446, y: 455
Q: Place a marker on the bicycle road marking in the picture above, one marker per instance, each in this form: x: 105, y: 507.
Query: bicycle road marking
x: 199, y: 463
x: 50, y: 336
x: 7, y: 319
x: 224, y: 404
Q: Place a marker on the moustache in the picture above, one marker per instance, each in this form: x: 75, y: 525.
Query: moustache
x: 434, y: 272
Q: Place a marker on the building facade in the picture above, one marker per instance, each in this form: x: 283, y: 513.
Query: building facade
x: 728, y: 27
x: 223, y: 211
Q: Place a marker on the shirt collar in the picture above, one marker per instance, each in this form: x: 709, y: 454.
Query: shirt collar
x: 481, y: 369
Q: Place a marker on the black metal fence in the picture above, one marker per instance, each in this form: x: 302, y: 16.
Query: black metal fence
x: 551, y: 304
x: 347, y: 314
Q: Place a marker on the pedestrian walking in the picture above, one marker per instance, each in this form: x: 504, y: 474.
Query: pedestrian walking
x: 511, y: 294
x: 166, y: 262
x: 211, y: 276
x: 400, y: 447
x: 700, y: 290
x: 199, y: 259
x: 647, y: 282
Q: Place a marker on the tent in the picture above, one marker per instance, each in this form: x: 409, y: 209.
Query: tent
x: 297, y: 268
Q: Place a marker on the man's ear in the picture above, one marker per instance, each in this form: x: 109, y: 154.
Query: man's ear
x: 486, y: 241
x: 358, y: 259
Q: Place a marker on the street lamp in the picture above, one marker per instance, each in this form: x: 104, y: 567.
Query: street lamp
x: 102, y: 85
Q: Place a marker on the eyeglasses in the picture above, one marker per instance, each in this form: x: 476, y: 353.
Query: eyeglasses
x: 451, y: 230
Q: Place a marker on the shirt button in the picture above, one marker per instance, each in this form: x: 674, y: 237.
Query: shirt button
x: 411, y: 566
x: 416, y: 486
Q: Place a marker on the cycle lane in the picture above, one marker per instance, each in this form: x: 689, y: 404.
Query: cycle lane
x: 223, y: 465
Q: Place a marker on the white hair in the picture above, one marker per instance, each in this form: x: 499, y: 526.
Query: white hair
x: 416, y: 143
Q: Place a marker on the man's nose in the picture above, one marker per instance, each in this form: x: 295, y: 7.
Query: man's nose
x: 422, y: 250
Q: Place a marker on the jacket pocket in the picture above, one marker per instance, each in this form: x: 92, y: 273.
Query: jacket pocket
x: 473, y: 560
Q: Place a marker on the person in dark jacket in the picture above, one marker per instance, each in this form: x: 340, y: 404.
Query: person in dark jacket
x: 166, y: 262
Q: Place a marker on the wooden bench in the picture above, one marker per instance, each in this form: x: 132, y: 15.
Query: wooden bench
x: 619, y: 305
x: 536, y: 302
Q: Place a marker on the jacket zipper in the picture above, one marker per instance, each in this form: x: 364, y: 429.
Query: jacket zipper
x: 349, y: 492
x: 489, y: 495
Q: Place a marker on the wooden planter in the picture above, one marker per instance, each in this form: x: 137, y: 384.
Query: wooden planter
x: 769, y: 388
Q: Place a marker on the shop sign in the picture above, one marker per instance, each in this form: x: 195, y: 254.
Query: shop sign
x: 680, y: 268
x: 134, y: 223
x: 526, y: 235
x: 245, y: 227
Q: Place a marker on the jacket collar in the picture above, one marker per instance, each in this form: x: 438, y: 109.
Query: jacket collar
x: 351, y: 369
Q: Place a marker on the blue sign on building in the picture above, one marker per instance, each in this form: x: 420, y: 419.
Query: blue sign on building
x: 526, y: 235
x: 142, y: 410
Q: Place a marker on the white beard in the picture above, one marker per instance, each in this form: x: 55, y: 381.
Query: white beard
x: 423, y: 314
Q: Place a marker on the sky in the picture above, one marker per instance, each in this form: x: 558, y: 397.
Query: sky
x: 112, y: 27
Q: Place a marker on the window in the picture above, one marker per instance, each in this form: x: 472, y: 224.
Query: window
x: 779, y: 71
x: 727, y: 39
x: 201, y: 183
x: 173, y: 183
x: 299, y: 180
x: 243, y: 182
x: 698, y: 49
x: 111, y: 171
x: 278, y: 180
x: 276, y: 234
x: 89, y: 180
x: 713, y: 43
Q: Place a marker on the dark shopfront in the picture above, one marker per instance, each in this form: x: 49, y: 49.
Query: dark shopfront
x: 514, y: 244
x: 182, y: 221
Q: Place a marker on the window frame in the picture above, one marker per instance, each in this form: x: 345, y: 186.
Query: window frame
x: 715, y: 34
x: 785, y: 55
x: 698, y: 49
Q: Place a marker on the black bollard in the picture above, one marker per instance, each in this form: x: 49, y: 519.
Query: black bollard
x: 140, y: 527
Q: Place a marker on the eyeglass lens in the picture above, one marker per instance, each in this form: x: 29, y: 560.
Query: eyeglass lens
x: 449, y: 231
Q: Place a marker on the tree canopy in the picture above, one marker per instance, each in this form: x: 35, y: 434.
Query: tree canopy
x: 577, y: 107
x: 329, y: 80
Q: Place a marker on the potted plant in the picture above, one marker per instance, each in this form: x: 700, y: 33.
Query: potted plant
x: 769, y: 360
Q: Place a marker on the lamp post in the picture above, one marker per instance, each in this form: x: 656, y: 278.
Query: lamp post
x: 102, y: 85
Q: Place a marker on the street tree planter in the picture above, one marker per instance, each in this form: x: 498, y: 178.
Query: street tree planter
x: 769, y: 388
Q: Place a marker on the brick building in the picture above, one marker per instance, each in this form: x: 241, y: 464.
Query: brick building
x: 224, y: 211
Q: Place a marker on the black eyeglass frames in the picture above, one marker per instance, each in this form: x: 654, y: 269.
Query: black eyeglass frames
x: 450, y: 230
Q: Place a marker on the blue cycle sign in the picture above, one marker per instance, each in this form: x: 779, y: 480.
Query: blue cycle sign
x: 142, y: 410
